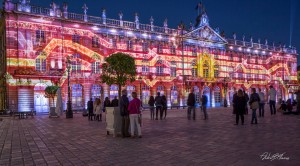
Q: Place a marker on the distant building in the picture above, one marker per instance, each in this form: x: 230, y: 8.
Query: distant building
x: 36, y: 41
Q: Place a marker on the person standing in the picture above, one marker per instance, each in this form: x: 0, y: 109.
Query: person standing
x: 90, y: 107
x: 191, y: 102
x: 261, y: 103
x: 247, y: 100
x: 233, y: 101
x: 134, y: 113
x: 115, y: 102
x: 164, y: 106
x: 254, y: 104
x: 158, y: 104
x: 106, y: 103
x: 240, y: 102
x: 124, y: 102
x: 151, y: 105
x: 98, y: 109
x: 272, y: 100
x: 204, y: 103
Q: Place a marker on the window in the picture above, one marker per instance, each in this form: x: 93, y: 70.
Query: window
x: 194, y: 69
x: 77, y: 101
x: 76, y: 38
x: 95, y: 42
x: 217, y: 94
x: 194, y: 51
x: 40, y: 64
x: 145, y: 69
x: 160, y: 49
x: 76, y: 64
x: 129, y: 45
x: 96, y: 92
x: 130, y: 89
x: 145, y: 47
x: 40, y: 36
x: 174, y: 95
x: 173, y: 50
x: 160, y: 89
x: 173, y: 71
x: 216, y: 71
x: 113, y: 92
x: 159, y: 68
x: 96, y: 67
x: 114, y: 43
x: 205, y: 70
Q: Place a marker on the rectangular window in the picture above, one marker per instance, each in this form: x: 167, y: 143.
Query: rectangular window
x: 114, y: 43
x: 95, y: 42
x: 40, y: 36
x: 145, y: 47
x: 194, y: 52
x: 40, y: 65
x: 129, y: 45
x: 159, y: 49
x: 216, y: 73
x: 159, y: 70
x: 173, y: 71
x: 173, y: 50
x: 76, y: 66
x: 194, y: 72
x: 96, y: 67
x: 205, y: 73
x: 76, y: 38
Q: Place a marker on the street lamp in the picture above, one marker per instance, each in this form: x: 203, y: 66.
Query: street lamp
x: 140, y: 81
x: 226, y: 80
x: 69, y: 113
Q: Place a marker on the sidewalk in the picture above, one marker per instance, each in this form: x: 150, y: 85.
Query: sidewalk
x: 174, y: 141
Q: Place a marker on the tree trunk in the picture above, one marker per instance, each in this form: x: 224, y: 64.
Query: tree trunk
x: 119, y: 93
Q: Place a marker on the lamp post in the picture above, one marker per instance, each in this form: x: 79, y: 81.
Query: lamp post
x: 69, y: 113
x: 140, y: 81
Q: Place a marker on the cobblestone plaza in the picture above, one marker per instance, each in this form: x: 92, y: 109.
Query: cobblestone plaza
x: 175, y: 141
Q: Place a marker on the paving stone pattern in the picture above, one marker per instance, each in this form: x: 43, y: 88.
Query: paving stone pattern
x: 175, y: 141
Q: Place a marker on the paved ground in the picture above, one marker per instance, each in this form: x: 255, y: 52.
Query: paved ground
x: 174, y: 141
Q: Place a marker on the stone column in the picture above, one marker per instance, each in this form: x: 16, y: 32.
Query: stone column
x: 168, y: 95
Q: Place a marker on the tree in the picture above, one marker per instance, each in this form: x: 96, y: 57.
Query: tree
x: 50, y: 92
x: 118, y: 69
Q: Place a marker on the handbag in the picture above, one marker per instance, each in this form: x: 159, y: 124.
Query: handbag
x: 254, y: 105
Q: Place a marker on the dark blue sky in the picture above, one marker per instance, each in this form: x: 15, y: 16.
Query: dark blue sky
x: 262, y: 19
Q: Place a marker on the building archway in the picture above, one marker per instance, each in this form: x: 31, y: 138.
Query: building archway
x: 77, y: 97
x: 96, y: 91
x: 113, y: 92
x: 41, y: 103
x: 217, y: 95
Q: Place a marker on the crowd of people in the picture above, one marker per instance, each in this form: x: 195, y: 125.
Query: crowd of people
x: 241, y: 100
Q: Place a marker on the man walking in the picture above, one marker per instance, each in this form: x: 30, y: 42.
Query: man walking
x: 191, y: 105
x: 204, y: 103
x: 90, y: 107
x: 261, y: 103
x: 124, y: 102
x: 272, y: 100
x: 158, y: 103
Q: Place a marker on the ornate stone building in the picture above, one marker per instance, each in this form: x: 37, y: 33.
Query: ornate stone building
x: 36, y: 41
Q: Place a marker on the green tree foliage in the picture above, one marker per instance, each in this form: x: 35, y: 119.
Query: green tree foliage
x: 118, y: 69
x: 50, y: 92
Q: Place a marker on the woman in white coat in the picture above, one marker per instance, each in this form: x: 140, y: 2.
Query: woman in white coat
x: 98, y: 110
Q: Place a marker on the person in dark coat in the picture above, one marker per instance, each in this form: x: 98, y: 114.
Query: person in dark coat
x: 164, y: 107
x: 124, y: 102
x: 254, y: 104
x: 204, y: 101
x: 90, y: 107
x: 106, y: 103
x: 115, y: 102
x: 191, y: 102
x: 247, y: 99
x: 151, y: 105
x: 158, y: 104
x: 240, y: 106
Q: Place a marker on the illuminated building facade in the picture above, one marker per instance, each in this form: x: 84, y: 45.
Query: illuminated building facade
x: 36, y: 42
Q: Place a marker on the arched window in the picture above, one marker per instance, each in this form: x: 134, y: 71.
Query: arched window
x: 159, y: 68
x: 76, y: 63
x: 205, y: 70
x: 113, y: 91
x: 145, y: 94
x: 174, y: 95
x: 96, y: 67
x: 77, y: 101
x: 40, y: 36
x: 145, y: 69
x: 40, y: 64
x: 194, y: 68
x: 216, y: 70
x: 160, y: 89
x: 130, y: 89
x: 96, y: 91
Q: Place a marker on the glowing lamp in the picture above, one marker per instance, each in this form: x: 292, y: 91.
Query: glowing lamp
x: 231, y: 47
x: 159, y: 37
x: 240, y: 48
x: 113, y: 30
x: 248, y: 50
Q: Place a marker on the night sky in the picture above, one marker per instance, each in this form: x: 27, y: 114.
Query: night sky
x: 275, y: 20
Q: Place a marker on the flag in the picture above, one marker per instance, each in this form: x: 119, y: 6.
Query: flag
x: 199, y: 5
